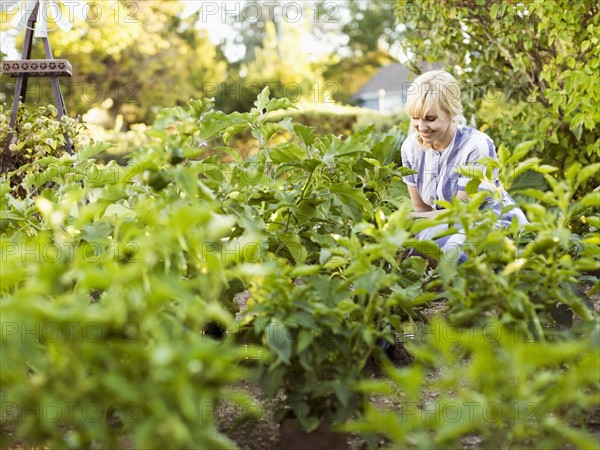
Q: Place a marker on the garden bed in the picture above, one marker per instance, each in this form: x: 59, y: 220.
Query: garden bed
x: 263, y: 433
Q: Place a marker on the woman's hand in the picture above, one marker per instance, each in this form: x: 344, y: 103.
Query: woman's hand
x: 423, y: 210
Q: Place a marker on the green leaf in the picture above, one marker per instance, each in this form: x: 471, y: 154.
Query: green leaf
x: 279, y: 340
x: 350, y: 197
x: 305, y: 338
x: 272, y: 379
x: 404, y: 171
x: 306, y: 134
x: 587, y: 172
x: 572, y: 172
x: 279, y: 103
x: 338, y: 148
x: 585, y: 45
x: 577, y: 437
x: 210, y: 128
x: 521, y: 150
x: 96, y: 233
x: 9, y: 216
x: 545, y: 168
x: 342, y: 392
x: 591, y: 200
x: 494, y: 11
x: 535, y: 209
x: 262, y: 99
x: 233, y: 130
x: 304, y: 270
x: 503, y: 153
x: 466, y: 423
x: 294, y: 246
x: 286, y: 152
x: 188, y: 182
x: 265, y: 132
x: 472, y: 185
x: 94, y: 149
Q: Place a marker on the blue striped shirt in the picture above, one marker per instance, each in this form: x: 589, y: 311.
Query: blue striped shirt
x: 437, y: 179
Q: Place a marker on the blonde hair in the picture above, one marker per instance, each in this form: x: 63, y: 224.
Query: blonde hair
x: 437, y: 90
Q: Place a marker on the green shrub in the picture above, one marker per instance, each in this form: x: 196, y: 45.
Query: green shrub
x: 105, y: 294
x: 520, y: 276
x: 314, y: 227
x: 39, y: 132
x: 491, y: 385
x: 328, y: 119
x: 528, y: 70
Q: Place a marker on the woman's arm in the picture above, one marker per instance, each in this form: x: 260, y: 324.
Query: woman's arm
x: 462, y: 195
x: 422, y: 209
x: 417, y: 201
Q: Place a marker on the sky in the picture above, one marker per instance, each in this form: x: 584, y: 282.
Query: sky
x: 209, y: 20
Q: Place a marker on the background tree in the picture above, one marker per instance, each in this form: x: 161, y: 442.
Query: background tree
x: 139, y: 55
x: 361, y: 36
x: 282, y: 63
x: 250, y: 20
x: 530, y: 67
x: 275, y: 55
x: 371, y: 33
x: 373, y: 26
x: 132, y: 58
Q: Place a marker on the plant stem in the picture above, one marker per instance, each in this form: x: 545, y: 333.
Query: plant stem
x: 304, y: 189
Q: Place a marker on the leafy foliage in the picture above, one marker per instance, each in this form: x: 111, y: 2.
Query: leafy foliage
x: 38, y: 133
x: 111, y: 274
x: 495, y: 384
x: 115, y: 321
x: 139, y: 56
x: 531, y: 63
x: 520, y: 277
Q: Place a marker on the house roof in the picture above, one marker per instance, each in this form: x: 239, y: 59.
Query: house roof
x: 389, y: 78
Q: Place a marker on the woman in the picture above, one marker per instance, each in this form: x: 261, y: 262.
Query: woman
x: 438, y: 144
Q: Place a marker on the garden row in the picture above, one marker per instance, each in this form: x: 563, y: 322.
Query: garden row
x: 113, y: 274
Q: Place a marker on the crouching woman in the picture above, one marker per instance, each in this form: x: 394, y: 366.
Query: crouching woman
x: 438, y: 143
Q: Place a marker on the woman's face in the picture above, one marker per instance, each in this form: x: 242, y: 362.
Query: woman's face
x: 435, y: 129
